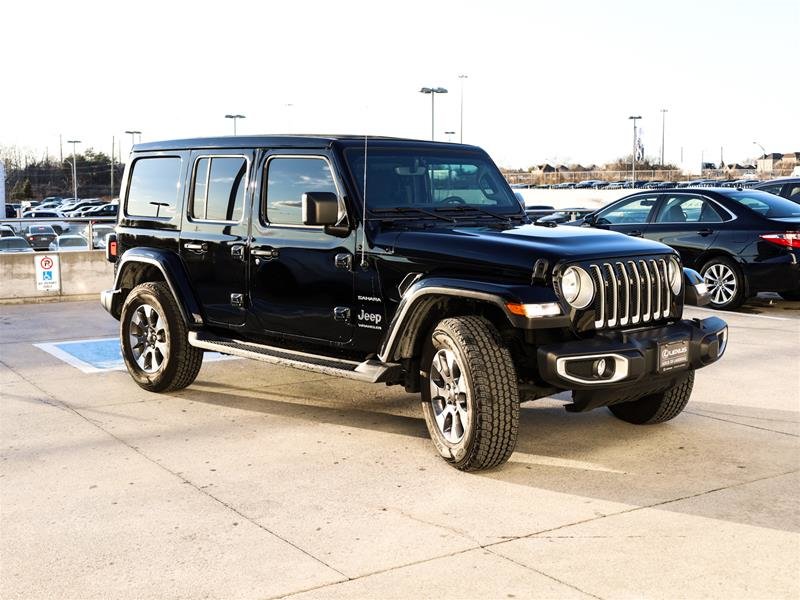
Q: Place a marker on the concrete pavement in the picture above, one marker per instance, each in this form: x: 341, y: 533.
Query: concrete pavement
x: 265, y: 482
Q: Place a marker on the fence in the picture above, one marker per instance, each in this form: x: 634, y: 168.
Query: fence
x: 538, y: 178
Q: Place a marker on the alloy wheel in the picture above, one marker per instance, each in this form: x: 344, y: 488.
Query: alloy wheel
x: 449, y: 396
x: 721, y: 282
x: 148, y: 338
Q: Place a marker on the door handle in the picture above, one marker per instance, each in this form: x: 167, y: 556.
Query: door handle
x: 196, y: 247
x: 237, y: 251
x: 705, y: 232
x: 265, y: 252
x: 635, y: 233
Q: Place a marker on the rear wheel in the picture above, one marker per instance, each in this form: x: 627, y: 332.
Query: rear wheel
x: 469, y: 394
x: 725, y: 283
x: 657, y: 408
x: 154, y: 340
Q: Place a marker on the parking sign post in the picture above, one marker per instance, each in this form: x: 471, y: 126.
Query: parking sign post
x: 48, y: 273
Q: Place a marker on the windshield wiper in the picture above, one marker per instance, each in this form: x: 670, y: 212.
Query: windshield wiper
x: 409, y: 210
x: 471, y: 208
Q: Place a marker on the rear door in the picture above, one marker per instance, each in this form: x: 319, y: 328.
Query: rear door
x: 629, y: 216
x: 687, y: 222
x: 214, y: 234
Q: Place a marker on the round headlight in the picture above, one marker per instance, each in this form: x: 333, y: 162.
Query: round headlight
x: 577, y: 287
x: 674, y: 275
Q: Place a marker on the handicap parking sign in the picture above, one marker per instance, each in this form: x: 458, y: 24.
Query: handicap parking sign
x: 47, y: 276
x: 47, y: 273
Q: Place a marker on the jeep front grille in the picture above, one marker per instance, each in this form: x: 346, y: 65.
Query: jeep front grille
x: 630, y: 292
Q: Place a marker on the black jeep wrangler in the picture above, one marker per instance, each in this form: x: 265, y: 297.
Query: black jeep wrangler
x: 401, y: 262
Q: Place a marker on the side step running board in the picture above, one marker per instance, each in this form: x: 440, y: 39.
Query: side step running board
x: 370, y: 371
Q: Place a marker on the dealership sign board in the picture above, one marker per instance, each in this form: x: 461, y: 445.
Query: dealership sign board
x: 47, y: 273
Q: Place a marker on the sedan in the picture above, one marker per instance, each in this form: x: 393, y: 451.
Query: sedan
x: 69, y: 243
x: 742, y: 241
x: 788, y: 187
x: 40, y: 236
x: 14, y: 244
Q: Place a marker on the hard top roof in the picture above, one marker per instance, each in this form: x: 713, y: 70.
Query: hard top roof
x: 288, y: 141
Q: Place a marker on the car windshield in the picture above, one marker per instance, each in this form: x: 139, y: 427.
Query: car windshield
x: 765, y: 204
x: 13, y: 244
x: 71, y: 241
x: 41, y: 229
x: 427, y: 179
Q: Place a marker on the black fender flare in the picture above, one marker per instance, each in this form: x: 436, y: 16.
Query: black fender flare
x: 172, y: 270
x: 419, y: 297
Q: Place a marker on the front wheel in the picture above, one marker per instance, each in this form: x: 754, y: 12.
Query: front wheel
x: 469, y: 394
x: 657, y: 408
x: 154, y: 340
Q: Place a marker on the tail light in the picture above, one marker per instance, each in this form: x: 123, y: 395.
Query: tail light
x: 790, y: 239
x: 111, y: 247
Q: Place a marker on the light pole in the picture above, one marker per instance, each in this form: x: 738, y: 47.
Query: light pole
x: 664, y: 111
x: 133, y: 132
x: 74, y: 169
x: 433, y: 92
x: 448, y: 134
x: 762, y: 148
x: 235, y: 118
x: 461, y: 78
x: 633, y: 156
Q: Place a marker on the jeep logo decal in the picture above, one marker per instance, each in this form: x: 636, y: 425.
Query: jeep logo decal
x: 369, y: 320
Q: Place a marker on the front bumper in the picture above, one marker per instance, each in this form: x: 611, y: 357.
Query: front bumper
x: 631, y: 357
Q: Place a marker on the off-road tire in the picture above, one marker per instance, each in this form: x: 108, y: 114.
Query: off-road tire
x: 182, y: 362
x: 657, y: 408
x: 739, y: 296
x: 491, y: 380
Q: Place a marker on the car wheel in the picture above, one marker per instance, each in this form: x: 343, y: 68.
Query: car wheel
x: 793, y: 295
x: 154, y: 340
x: 725, y: 283
x: 470, y: 398
x: 657, y: 408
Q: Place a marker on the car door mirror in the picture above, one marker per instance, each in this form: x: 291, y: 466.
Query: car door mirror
x: 320, y: 208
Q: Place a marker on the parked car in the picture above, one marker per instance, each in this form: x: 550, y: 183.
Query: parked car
x: 69, y: 243
x: 742, y: 241
x: 788, y: 187
x: 587, y: 184
x: 14, y: 244
x: 48, y: 217
x: 39, y: 236
x: 7, y: 231
x: 103, y: 210
x: 99, y: 233
x: 73, y: 210
x: 449, y: 291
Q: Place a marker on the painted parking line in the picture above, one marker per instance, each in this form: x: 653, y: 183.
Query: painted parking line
x: 101, y: 354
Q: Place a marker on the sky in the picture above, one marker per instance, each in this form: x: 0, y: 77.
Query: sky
x: 546, y: 81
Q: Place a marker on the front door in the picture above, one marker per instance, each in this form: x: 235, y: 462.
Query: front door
x: 628, y: 216
x: 301, y: 279
x: 687, y: 222
x: 214, y: 234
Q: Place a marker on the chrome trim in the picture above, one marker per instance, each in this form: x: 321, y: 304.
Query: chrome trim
x: 620, y: 368
x: 614, y: 295
x: 657, y: 277
x: 624, y: 320
x: 667, y: 289
x: 646, y: 314
x: 638, y: 314
x: 602, y: 294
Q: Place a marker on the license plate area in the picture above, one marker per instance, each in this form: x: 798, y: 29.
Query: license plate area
x: 673, y: 355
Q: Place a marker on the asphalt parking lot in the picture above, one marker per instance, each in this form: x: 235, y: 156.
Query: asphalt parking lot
x: 265, y: 482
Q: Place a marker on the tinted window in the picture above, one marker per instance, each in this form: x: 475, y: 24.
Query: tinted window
x: 766, y: 204
x: 636, y: 210
x: 71, y: 241
x: 793, y: 192
x: 687, y: 209
x: 219, y: 186
x: 154, y: 187
x: 772, y: 188
x: 14, y: 243
x: 41, y: 229
x: 287, y: 180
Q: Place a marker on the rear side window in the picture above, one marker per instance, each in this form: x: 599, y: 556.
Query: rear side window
x: 687, y: 209
x: 153, y: 190
x: 766, y: 204
x: 218, y: 188
x: 287, y: 180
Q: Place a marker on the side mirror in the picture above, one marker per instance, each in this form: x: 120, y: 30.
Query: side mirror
x: 696, y: 290
x: 589, y: 220
x: 320, y: 208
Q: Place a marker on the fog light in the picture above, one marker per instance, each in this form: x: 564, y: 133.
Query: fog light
x: 602, y: 369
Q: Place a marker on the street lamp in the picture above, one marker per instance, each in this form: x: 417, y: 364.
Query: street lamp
x: 448, y: 134
x: 633, y: 156
x: 461, y: 78
x: 664, y: 111
x: 432, y: 92
x: 133, y: 132
x: 74, y: 169
x: 762, y: 149
x: 235, y: 118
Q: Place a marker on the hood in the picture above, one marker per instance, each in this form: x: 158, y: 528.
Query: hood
x: 516, y: 246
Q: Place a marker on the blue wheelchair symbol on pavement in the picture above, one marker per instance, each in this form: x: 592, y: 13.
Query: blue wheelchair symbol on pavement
x: 47, y: 276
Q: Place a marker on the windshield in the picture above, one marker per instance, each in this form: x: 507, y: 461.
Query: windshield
x: 429, y: 179
x: 765, y: 204
x: 41, y: 229
x: 71, y: 241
